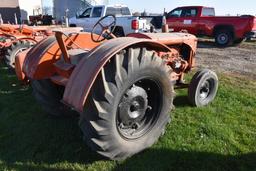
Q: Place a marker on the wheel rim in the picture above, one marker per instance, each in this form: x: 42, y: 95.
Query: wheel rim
x: 205, y: 89
x: 223, y: 38
x: 20, y: 50
x: 139, y: 109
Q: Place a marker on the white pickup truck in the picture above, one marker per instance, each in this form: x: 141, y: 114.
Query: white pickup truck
x: 125, y: 22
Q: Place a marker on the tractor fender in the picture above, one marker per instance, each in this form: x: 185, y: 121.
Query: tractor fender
x: 86, y: 72
x: 19, y: 60
x: 39, y: 63
x: 34, y: 56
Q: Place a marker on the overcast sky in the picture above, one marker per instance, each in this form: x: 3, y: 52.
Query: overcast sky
x: 222, y: 7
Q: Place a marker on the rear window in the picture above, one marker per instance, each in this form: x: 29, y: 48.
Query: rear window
x: 208, y: 12
x: 118, y: 11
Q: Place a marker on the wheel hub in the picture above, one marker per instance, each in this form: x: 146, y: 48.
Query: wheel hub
x: 223, y: 38
x: 205, y: 90
x: 135, y: 116
x: 133, y: 106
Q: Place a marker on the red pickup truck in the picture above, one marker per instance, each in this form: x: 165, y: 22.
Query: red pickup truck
x: 201, y: 20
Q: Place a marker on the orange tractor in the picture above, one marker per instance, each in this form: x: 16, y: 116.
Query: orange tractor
x: 17, y: 38
x: 122, y: 88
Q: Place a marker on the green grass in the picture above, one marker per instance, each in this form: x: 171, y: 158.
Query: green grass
x: 221, y: 136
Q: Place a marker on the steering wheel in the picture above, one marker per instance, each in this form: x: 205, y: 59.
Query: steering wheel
x: 106, y: 30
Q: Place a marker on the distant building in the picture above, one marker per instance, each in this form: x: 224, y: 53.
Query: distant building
x: 8, y: 9
x: 21, y: 8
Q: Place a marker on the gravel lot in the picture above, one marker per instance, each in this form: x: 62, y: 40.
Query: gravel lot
x: 235, y: 60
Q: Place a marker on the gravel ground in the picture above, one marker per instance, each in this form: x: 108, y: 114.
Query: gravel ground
x: 236, y: 60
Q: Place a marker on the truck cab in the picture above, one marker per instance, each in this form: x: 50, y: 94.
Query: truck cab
x: 187, y: 18
x: 126, y: 23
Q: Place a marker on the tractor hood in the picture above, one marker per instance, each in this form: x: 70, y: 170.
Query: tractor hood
x: 169, y: 38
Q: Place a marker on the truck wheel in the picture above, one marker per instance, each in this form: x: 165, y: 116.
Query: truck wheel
x: 203, y: 88
x: 49, y: 96
x: 129, y: 104
x: 14, y: 50
x: 223, y: 38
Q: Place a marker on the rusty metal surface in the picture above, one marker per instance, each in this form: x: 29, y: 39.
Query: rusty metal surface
x: 84, y: 75
x: 30, y: 33
x: 35, y: 54
x: 63, y: 48
x: 169, y: 38
x: 40, y: 60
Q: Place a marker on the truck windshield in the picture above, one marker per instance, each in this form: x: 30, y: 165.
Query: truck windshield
x: 118, y: 11
x: 208, y: 12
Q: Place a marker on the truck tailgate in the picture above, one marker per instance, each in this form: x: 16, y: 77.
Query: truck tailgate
x: 254, y: 24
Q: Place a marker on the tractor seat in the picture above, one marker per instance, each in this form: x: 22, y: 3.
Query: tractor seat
x: 76, y: 55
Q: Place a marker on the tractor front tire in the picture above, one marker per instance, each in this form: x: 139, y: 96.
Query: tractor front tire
x: 49, y: 96
x: 203, y: 88
x: 14, y: 50
x: 129, y: 104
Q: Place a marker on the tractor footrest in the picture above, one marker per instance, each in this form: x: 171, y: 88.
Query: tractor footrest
x: 64, y: 69
x: 57, y: 79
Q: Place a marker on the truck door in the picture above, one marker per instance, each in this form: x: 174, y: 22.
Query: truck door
x: 189, y: 20
x: 97, y: 13
x: 174, y: 20
x: 83, y: 20
x: 182, y: 19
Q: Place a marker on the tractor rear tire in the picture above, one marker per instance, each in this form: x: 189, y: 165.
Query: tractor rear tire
x: 14, y: 50
x: 49, y: 96
x: 128, y: 106
x: 203, y: 88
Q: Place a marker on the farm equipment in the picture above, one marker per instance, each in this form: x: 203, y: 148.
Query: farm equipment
x: 123, y: 88
x: 15, y: 39
x: 43, y: 19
